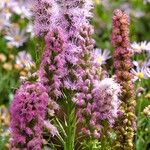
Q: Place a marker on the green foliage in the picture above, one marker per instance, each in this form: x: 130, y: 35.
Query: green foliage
x: 70, y: 121
x: 91, y: 144
x: 3, y: 142
x: 143, y: 133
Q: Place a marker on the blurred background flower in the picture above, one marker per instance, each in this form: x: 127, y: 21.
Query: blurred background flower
x: 4, y: 125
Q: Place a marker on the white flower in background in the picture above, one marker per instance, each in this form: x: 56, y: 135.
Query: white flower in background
x: 147, y: 62
x: 3, y: 3
x: 23, y: 8
x: 127, y: 8
x: 141, y: 46
x: 137, y: 13
x: 4, y: 21
x: 15, y: 36
x: 105, y: 3
x: 29, y: 29
x: 6, y: 7
x: 101, y: 56
x: 146, y: 67
x: 24, y: 60
x: 146, y: 1
x: 140, y: 72
x: 19, y: 7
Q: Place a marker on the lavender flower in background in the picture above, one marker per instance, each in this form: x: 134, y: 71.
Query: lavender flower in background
x: 24, y: 60
x: 146, y: 1
x: 29, y: 29
x: 25, y: 65
x: 140, y: 47
x: 28, y: 111
x: 140, y: 72
x: 12, y: 32
x: 19, y: 7
x: 15, y: 36
x: 126, y: 124
x: 134, y: 12
x: 6, y: 7
x: 4, y: 22
x: 146, y: 68
x: 101, y: 56
x: 22, y: 8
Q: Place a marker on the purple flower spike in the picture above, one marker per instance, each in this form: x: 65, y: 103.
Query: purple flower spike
x: 28, y: 111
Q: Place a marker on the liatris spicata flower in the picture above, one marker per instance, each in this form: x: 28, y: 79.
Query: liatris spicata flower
x: 101, y: 56
x: 122, y: 62
x: 28, y: 112
x: 46, y: 13
x: 74, y: 14
x: 52, y: 68
x: 68, y: 63
x: 90, y: 97
x: 70, y: 15
x: 103, y: 106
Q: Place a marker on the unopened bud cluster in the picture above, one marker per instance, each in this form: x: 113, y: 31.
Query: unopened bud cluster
x: 126, y: 124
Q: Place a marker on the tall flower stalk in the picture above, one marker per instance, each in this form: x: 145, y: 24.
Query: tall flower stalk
x: 27, y: 116
x: 52, y: 68
x: 126, y: 124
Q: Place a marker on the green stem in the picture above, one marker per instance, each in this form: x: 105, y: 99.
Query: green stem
x: 71, y: 125
x: 139, y: 102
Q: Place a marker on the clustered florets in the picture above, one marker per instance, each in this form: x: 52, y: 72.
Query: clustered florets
x: 67, y: 64
x: 87, y: 73
x: 99, y: 106
x: 122, y: 63
x: 69, y: 15
x: 52, y: 68
x: 45, y: 14
x: 27, y: 116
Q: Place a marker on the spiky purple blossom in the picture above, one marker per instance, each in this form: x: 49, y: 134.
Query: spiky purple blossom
x: 46, y: 13
x: 52, y: 68
x: 75, y: 70
x: 74, y: 14
x: 95, y: 102
x: 70, y: 15
x: 103, y: 107
x: 28, y: 111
